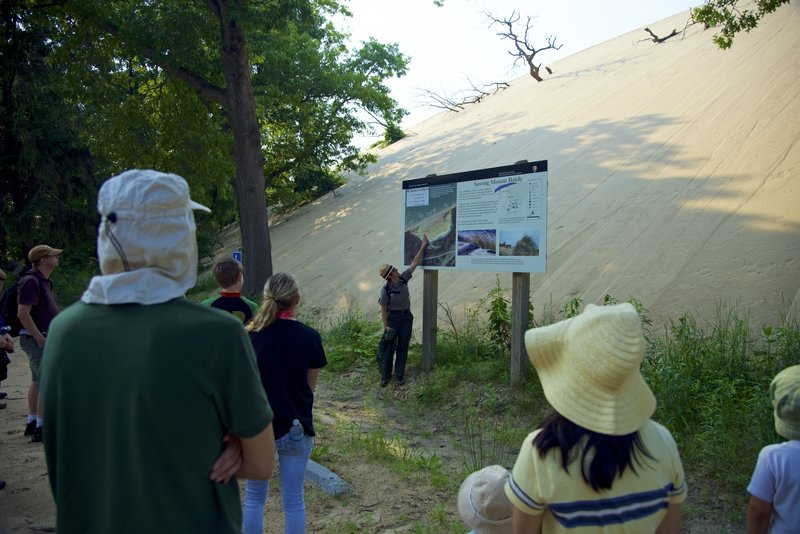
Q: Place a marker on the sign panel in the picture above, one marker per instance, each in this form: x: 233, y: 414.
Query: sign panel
x: 482, y: 220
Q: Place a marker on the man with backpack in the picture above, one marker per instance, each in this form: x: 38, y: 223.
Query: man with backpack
x: 36, y: 307
x: 396, y: 316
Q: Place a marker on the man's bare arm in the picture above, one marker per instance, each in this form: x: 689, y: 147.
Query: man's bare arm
x: 258, y: 455
x: 24, y: 316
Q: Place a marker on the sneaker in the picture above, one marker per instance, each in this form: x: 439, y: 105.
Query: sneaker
x: 37, y: 435
x: 30, y: 428
x: 3, y: 394
x: 2, y: 405
x: 401, y: 382
x: 384, y: 383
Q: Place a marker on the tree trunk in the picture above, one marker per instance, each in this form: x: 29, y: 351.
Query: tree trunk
x: 248, y: 184
x: 534, y: 72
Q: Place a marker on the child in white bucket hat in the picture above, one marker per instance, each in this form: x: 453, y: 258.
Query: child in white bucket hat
x: 775, y: 486
x: 598, y: 463
x: 483, y: 504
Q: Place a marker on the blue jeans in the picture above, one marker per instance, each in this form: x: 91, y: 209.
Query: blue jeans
x: 293, y: 457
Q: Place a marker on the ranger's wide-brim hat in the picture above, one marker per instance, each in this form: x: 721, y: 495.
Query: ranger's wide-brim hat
x: 385, y: 270
x: 589, y: 368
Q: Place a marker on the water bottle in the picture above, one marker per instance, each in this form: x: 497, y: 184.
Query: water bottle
x: 296, y: 433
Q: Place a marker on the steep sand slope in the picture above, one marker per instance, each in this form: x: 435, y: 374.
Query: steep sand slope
x: 674, y: 177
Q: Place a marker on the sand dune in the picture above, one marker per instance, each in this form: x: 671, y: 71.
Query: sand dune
x: 674, y: 176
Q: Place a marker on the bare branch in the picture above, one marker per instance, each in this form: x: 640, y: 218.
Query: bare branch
x: 657, y: 39
x: 525, y: 51
x: 440, y: 102
x: 475, y: 96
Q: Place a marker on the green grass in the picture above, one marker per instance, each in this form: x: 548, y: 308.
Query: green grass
x: 711, y: 379
x: 709, y: 375
x: 712, y: 385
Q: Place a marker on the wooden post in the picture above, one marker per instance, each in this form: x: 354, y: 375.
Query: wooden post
x: 520, y: 297
x: 430, y: 298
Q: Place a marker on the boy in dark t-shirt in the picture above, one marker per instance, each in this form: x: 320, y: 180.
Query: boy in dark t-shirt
x: 229, y: 274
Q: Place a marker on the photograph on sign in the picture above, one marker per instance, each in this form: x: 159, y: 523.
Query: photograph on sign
x: 431, y: 211
x: 481, y: 220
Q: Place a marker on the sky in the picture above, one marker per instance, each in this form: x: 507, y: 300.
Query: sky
x: 453, y: 46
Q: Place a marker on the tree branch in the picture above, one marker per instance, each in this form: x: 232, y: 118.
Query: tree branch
x: 525, y: 51
x: 657, y: 39
x: 204, y: 89
x: 475, y: 97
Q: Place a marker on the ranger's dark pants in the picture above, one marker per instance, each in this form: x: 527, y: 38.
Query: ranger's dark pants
x: 402, y: 322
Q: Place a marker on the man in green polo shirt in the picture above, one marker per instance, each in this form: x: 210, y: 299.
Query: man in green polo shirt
x: 151, y: 403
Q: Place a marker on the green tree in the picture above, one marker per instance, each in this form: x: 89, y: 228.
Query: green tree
x: 48, y: 174
x: 731, y: 18
x: 254, y: 95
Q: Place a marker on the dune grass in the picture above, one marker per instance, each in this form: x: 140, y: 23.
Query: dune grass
x: 710, y: 377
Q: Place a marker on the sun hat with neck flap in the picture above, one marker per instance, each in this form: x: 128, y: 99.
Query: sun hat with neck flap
x: 146, y: 240
x: 589, y: 368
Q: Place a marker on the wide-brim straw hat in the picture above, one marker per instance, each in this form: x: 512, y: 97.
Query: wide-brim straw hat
x: 589, y: 368
x: 385, y: 270
x: 482, y: 501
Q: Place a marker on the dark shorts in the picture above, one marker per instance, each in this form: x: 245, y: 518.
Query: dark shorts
x: 34, y: 353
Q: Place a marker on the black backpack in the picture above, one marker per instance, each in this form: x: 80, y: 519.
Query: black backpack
x: 8, y: 306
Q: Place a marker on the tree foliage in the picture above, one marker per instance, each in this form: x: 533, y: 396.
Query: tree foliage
x: 48, y: 176
x: 245, y: 99
x: 733, y: 20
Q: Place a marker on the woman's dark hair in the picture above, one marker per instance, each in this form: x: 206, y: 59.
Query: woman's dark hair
x: 612, y: 454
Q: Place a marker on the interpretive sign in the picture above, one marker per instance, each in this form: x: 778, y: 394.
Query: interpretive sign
x: 481, y: 220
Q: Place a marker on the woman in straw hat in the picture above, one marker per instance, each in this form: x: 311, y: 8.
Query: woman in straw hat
x: 396, y: 315
x: 598, y: 463
x: 289, y: 355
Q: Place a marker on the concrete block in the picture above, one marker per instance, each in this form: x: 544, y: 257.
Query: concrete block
x: 326, y: 479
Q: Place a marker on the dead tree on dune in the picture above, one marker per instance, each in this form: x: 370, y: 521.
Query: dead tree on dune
x: 524, y: 50
x: 657, y: 39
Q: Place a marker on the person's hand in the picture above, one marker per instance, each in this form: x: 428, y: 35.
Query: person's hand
x: 39, y: 340
x: 229, y: 462
x: 8, y: 343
